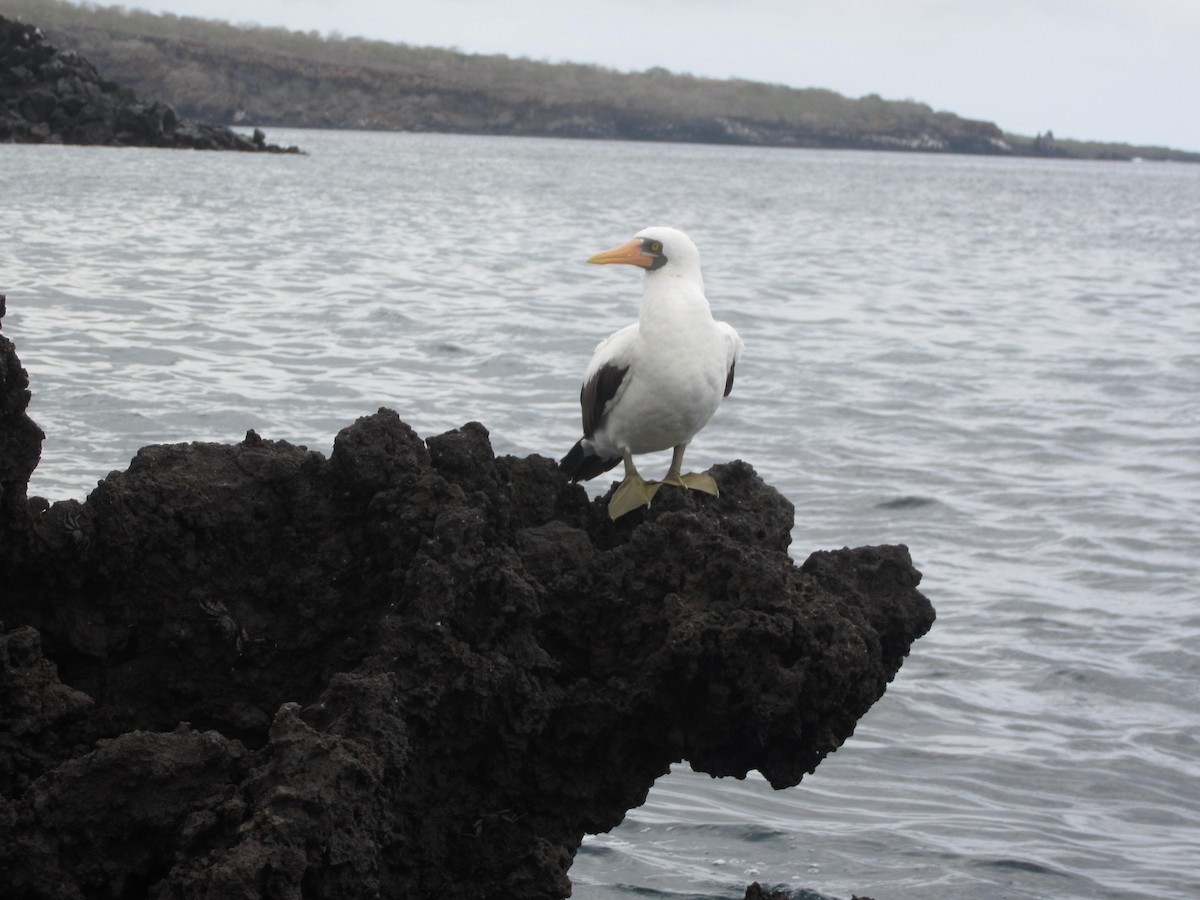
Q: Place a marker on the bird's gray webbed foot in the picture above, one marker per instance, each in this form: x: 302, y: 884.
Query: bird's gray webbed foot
x: 693, y: 481
x: 633, y: 492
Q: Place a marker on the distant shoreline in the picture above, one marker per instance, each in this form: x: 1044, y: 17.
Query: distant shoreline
x: 213, y: 71
x: 245, y: 127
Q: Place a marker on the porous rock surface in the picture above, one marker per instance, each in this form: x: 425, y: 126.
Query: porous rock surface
x: 413, y: 669
x: 52, y: 96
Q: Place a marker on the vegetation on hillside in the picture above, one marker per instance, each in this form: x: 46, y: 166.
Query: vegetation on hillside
x: 215, y: 71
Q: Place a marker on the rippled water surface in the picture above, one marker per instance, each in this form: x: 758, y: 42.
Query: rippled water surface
x: 995, y: 362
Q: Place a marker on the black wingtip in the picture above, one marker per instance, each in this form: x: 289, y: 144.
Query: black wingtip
x: 583, y: 465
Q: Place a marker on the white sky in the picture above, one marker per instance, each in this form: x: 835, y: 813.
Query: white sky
x: 1112, y: 70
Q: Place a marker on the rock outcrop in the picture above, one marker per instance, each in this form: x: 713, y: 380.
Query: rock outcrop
x: 413, y: 669
x: 53, y: 96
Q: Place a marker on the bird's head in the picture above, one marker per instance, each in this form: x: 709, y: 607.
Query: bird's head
x: 654, y: 249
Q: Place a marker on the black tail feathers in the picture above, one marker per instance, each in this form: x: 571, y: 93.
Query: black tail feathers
x: 583, y: 464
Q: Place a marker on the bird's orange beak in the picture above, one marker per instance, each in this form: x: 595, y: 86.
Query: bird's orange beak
x: 629, y: 253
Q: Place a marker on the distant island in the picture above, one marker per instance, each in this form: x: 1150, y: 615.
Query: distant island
x: 217, y: 72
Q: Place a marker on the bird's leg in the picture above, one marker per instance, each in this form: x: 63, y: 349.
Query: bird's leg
x: 634, y: 491
x: 695, y: 481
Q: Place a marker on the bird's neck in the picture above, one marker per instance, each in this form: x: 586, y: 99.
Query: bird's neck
x: 667, y: 301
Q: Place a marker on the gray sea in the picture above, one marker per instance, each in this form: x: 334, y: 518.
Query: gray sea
x: 993, y: 361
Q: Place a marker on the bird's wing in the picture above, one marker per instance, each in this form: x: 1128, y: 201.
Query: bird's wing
x: 605, y: 376
x: 734, y: 351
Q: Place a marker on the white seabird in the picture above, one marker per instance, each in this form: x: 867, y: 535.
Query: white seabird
x: 654, y: 384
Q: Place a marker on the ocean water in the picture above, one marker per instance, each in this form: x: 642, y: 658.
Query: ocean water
x: 995, y: 362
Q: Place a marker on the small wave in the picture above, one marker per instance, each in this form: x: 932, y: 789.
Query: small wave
x: 911, y: 502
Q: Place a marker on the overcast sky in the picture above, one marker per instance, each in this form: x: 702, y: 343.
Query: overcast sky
x: 1112, y: 70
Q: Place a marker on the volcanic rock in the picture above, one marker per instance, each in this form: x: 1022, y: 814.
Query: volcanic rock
x: 56, y: 96
x: 413, y: 669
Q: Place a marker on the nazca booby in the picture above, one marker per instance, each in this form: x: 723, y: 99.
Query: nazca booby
x: 654, y: 384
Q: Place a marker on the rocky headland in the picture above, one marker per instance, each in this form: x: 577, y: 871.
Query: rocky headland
x: 52, y: 96
x: 411, y: 669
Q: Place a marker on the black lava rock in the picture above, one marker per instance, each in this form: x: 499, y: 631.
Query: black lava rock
x: 49, y: 95
x: 414, y: 669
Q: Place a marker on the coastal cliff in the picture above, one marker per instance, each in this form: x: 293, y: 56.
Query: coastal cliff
x: 52, y: 96
x: 411, y: 669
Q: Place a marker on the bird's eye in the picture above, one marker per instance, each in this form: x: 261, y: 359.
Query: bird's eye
x: 656, y: 246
